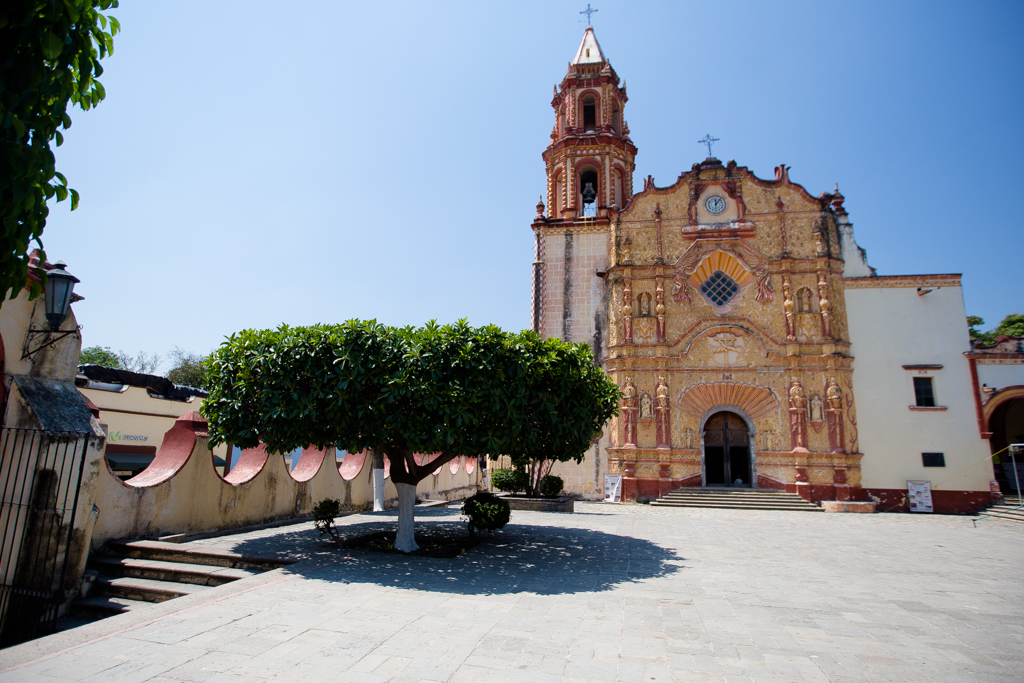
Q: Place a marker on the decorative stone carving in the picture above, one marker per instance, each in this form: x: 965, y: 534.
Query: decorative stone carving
x: 756, y: 401
x: 834, y: 414
x: 662, y: 410
x: 627, y: 250
x: 627, y: 312
x: 787, y: 305
x: 826, y: 307
x: 689, y: 438
x: 659, y: 309
x: 727, y: 350
x: 815, y: 408
x: 629, y: 410
x: 764, y: 288
x: 646, y: 406
x: 797, y: 415
x: 769, y: 440
x: 645, y: 304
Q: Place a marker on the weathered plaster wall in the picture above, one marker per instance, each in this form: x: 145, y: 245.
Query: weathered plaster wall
x: 891, y: 326
x: 181, y: 492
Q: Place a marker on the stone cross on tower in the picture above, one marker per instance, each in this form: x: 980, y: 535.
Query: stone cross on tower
x: 588, y: 12
x: 708, y: 140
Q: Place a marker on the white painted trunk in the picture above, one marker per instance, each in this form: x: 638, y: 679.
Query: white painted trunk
x: 378, y: 489
x: 405, y: 540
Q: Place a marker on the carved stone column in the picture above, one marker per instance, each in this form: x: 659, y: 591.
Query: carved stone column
x: 826, y: 306
x: 664, y: 479
x: 834, y: 417
x: 627, y: 311
x: 797, y: 416
x: 629, y: 480
x: 788, y: 304
x: 803, y: 483
x: 659, y: 308
x: 662, y: 415
x: 629, y: 410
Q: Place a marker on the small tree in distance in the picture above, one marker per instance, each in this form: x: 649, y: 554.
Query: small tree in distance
x: 99, y: 355
x: 187, y: 369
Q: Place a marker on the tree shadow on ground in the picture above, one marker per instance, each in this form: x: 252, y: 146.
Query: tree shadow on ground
x: 534, y: 558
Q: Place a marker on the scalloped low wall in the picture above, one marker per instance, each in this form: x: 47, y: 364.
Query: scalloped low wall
x: 181, y: 491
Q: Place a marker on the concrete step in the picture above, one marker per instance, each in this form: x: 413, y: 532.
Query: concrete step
x: 1007, y: 512
x: 147, y: 590
x: 173, y: 552
x: 735, y: 499
x: 739, y: 506
x: 160, y: 570
x: 100, y: 607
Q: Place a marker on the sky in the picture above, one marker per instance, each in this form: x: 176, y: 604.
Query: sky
x: 258, y: 163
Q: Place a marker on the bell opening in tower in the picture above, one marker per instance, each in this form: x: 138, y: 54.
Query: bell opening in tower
x: 589, y: 114
x: 588, y: 192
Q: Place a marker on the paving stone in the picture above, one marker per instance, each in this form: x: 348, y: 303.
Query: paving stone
x: 610, y: 593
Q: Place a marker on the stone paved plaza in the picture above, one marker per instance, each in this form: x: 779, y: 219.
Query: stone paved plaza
x: 611, y: 593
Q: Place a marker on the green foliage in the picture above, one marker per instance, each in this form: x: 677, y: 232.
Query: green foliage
x: 50, y: 54
x: 486, y: 512
x: 324, y: 513
x: 551, y: 485
x: 99, y: 355
x: 1012, y: 325
x: 509, y: 481
x: 188, y: 369
x: 446, y: 389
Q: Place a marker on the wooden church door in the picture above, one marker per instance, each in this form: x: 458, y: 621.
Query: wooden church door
x: 726, y: 451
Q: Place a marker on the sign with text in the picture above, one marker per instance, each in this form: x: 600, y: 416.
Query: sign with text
x: 920, y: 494
x: 612, y: 488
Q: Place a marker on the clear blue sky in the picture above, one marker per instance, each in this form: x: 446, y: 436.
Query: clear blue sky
x: 263, y: 162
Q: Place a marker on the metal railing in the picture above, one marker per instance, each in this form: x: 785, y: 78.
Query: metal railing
x: 40, y: 476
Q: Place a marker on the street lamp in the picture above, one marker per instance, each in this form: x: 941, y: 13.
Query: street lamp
x: 60, y: 287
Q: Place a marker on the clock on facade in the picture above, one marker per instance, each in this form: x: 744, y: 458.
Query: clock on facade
x: 714, y: 204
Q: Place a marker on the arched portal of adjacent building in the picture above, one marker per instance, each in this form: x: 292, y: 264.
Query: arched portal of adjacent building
x: 726, y: 457
x: 1007, y: 427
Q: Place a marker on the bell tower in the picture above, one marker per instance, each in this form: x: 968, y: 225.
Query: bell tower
x: 589, y: 165
x: 590, y: 159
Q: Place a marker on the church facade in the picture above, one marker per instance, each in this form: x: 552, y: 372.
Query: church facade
x: 753, y: 344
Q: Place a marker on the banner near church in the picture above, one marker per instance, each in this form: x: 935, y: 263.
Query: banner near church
x: 920, y: 494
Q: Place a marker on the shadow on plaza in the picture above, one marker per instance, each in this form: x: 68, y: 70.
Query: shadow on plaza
x: 534, y: 558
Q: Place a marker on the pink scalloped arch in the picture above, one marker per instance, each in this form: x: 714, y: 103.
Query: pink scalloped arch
x: 353, y: 465
x: 309, y: 463
x: 756, y: 401
x: 250, y: 463
x: 174, y: 452
x: 454, y: 463
x: 470, y: 464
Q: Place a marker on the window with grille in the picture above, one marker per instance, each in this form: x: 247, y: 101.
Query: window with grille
x: 924, y: 392
x: 720, y: 288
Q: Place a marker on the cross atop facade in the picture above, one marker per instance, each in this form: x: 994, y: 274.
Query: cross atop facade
x: 708, y: 140
x: 588, y: 12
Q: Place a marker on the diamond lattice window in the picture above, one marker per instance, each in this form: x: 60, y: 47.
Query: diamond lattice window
x: 720, y: 288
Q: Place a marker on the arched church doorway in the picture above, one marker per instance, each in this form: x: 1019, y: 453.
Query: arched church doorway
x: 726, y: 450
x: 1007, y: 427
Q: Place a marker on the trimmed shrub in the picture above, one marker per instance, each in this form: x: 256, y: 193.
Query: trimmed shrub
x: 486, y: 512
x: 551, y: 486
x: 324, y: 513
x: 509, y: 481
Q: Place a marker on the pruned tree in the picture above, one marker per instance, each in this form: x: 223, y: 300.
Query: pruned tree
x: 446, y: 390
x: 570, y: 400
x: 50, y: 56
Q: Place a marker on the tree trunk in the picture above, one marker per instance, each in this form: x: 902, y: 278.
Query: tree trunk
x: 405, y: 540
x: 378, y: 479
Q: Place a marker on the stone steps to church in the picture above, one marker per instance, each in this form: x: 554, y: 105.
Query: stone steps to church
x: 736, y: 499
x: 1010, y: 513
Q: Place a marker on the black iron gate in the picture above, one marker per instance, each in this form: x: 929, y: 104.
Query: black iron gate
x: 40, y: 475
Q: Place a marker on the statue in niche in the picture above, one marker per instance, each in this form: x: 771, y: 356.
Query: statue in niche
x: 645, y: 305
x: 689, y: 438
x: 804, y: 297
x: 646, y: 405
x: 769, y: 440
x: 815, y: 407
x: 797, y: 415
x: 663, y: 424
